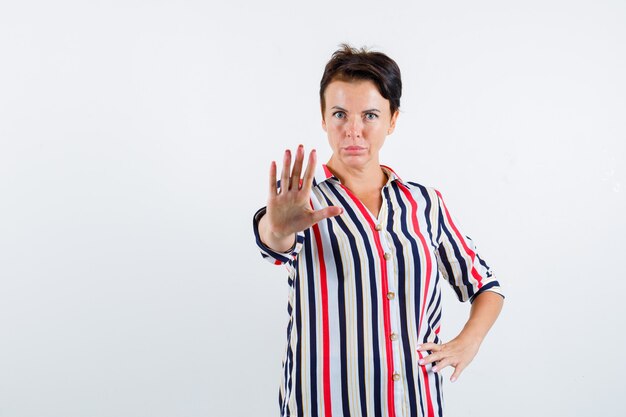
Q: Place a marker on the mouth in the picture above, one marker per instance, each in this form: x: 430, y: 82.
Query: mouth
x: 354, y: 148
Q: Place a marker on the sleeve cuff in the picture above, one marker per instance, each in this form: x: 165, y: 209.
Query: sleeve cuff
x: 277, y: 258
x: 493, y: 286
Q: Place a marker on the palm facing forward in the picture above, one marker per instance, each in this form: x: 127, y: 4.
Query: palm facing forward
x: 288, y: 208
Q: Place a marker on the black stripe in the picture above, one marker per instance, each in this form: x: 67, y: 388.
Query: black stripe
x: 414, y: 249
x: 431, y: 323
x: 358, y: 283
x: 377, y: 394
x: 449, y: 273
x: 298, y: 373
x: 483, y: 263
x: 438, y: 387
x: 461, y: 262
x: 419, y: 390
x: 457, y: 254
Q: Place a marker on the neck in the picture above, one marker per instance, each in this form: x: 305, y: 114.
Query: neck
x: 359, y: 179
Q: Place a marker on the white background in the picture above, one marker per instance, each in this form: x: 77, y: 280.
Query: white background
x: 135, y: 140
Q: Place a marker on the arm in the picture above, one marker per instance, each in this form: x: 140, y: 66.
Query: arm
x: 461, y: 350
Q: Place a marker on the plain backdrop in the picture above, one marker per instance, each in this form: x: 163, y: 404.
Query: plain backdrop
x: 135, y: 141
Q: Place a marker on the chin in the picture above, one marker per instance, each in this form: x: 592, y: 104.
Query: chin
x: 355, y: 161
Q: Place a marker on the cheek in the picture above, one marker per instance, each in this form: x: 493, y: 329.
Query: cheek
x: 334, y: 129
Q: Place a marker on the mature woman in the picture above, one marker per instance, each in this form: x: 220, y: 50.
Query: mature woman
x: 365, y: 251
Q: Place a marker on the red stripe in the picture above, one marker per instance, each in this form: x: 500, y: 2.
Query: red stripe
x: 385, y: 300
x: 429, y: 266
x: 470, y: 252
x: 327, y: 171
x: 413, y: 203
x: 430, y: 411
x: 325, y: 328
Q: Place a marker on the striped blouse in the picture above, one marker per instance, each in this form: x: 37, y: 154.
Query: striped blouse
x: 364, y: 292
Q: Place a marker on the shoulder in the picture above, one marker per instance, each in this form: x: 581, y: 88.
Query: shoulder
x: 426, y: 191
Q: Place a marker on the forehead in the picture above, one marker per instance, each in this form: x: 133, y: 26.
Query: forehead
x: 358, y: 93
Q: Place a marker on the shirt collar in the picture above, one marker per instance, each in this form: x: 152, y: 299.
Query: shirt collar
x: 322, y: 173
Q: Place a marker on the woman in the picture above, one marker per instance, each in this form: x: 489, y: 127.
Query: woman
x: 365, y: 251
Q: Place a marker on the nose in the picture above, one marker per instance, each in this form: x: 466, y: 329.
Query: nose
x: 354, y: 128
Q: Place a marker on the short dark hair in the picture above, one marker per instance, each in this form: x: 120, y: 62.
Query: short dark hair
x: 350, y: 64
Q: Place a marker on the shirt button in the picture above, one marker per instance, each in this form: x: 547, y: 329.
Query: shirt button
x: 387, y: 255
x: 396, y: 376
x: 379, y: 227
x: 390, y: 295
x: 393, y: 337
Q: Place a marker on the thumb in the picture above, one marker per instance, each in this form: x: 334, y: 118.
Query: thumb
x: 332, y: 211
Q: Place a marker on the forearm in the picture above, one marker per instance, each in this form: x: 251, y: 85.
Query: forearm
x: 484, y: 312
x: 270, y: 240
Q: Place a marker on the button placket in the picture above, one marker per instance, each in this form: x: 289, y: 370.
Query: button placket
x: 394, y: 337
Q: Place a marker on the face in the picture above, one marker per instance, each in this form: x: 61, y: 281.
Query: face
x: 357, y: 120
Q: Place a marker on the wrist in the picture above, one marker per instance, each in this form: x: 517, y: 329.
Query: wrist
x: 472, y: 336
x: 273, y: 240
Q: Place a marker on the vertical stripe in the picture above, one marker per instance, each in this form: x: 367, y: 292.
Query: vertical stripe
x: 385, y: 302
x: 312, y: 350
x: 325, y: 332
x: 429, y: 402
x: 358, y: 323
x: 298, y: 372
x: 343, y: 338
x: 413, y: 204
x: 402, y: 300
x: 370, y: 278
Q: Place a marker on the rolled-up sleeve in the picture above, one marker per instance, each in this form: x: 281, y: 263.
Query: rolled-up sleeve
x: 458, y: 259
x: 277, y: 258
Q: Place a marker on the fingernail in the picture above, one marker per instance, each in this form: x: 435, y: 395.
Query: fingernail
x: 434, y: 369
x: 419, y: 347
x: 452, y: 379
x: 421, y: 361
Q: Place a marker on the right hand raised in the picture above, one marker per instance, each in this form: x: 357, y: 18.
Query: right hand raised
x: 288, y: 209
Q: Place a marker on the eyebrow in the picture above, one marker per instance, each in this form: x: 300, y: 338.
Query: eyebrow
x: 364, y: 111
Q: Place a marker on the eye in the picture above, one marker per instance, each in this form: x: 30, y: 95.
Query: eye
x: 339, y: 115
x: 371, y: 116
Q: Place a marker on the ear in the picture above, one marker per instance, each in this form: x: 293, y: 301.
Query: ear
x: 392, y: 124
x: 324, y: 124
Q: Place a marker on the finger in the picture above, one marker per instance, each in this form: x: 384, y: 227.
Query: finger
x: 433, y: 357
x: 284, y: 177
x: 457, y: 373
x: 326, y: 212
x: 442, y: 364
x: 273, y: 189
x: 429, y: 346
x: 309, y: 173
x: 297, y: 168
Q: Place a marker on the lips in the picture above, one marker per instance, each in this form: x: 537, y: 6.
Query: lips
x: 354, y: 148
